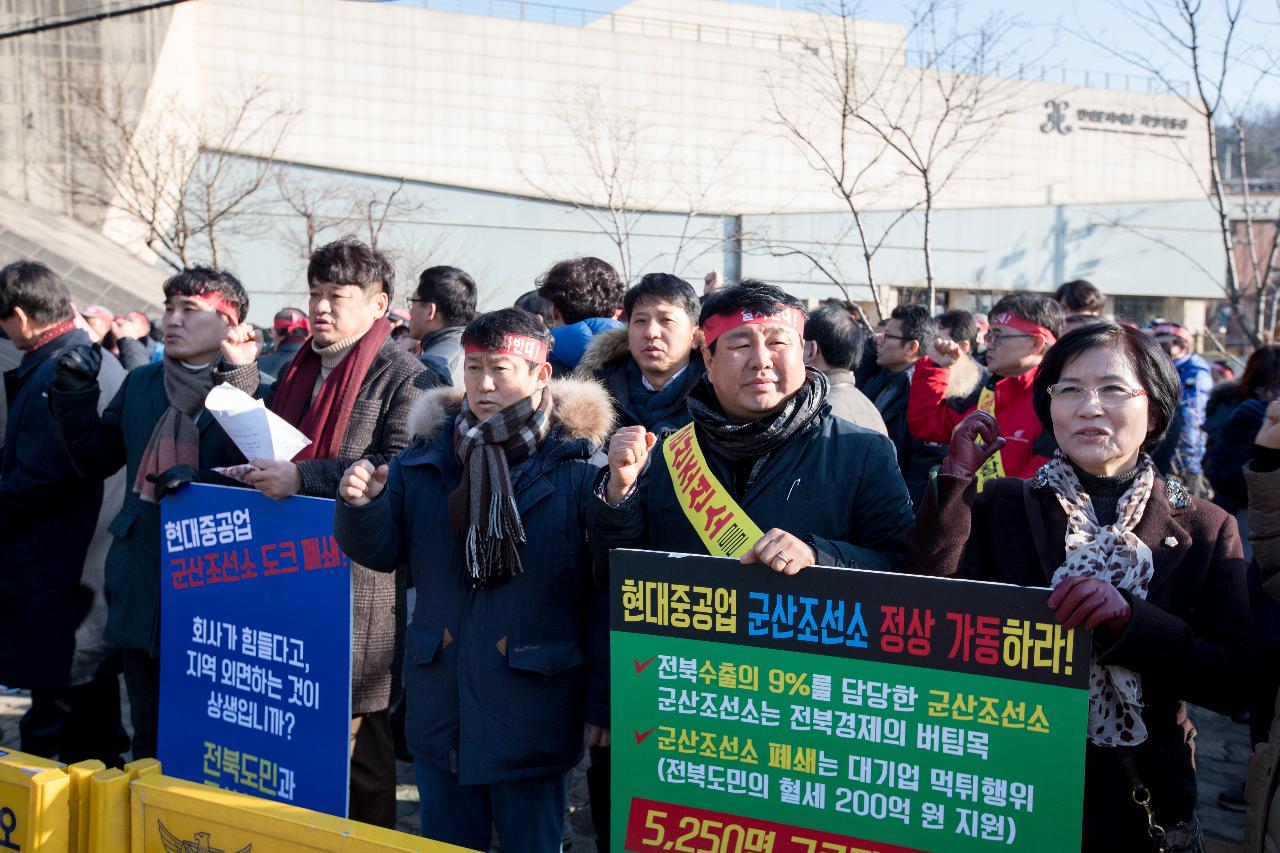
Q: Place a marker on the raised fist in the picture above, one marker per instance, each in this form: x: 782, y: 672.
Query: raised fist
x: 361, y: 483
x: 628, y: 451
x: 944, y: 352
x: 965, y: 456
x: 77, y: 368
x: 241, y: 344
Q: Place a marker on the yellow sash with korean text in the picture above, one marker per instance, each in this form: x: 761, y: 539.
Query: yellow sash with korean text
x: 993, y: 468
x: 723, y: 527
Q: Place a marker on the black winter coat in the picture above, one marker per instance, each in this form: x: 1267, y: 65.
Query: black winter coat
x: 48, y: 513
x: 836, y: 484
x: 1191, y: 638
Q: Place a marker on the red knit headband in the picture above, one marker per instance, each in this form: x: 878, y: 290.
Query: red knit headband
x: 718, y: 324
x: 520, y: 346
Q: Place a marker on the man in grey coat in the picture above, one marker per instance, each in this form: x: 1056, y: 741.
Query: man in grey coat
x: 833, y: 344
x: 441, y: 307
x: 350, y: 391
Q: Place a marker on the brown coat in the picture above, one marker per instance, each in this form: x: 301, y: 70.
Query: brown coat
x: 1190, y: 639
x: 1262, y: 824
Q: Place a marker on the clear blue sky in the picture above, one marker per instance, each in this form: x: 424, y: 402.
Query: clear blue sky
x: 1049, y: 35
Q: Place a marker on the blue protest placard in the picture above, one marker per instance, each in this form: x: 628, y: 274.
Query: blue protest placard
x: 255, y: 646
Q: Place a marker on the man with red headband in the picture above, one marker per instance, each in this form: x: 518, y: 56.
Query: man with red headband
x: 289, y: 331
x: 349, y: 389
x: 157, y: 427
x: 506, y: 655
x: 775, y: 477
x: 1023, y: 327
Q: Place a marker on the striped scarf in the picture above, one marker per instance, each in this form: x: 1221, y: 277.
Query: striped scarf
x: 483, y: 507
x: 175, y: 440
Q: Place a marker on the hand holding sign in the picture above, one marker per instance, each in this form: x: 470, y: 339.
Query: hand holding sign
x: 361, y: 483
x: 628, y: 452
x: 782, y: 552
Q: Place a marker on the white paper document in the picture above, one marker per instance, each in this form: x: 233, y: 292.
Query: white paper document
x: 259, y: 432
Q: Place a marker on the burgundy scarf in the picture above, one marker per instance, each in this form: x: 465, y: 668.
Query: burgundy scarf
x: 325, y: 422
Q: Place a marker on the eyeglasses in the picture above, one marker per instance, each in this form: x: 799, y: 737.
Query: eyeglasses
x: 1109, y: 396
x: 883, y: 335
x: 995, y: 338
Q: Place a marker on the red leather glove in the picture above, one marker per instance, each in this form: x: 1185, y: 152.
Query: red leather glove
x: 1089, y: 603
x: 965, y: 456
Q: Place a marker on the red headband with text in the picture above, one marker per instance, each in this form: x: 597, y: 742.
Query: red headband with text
x: 1013, y: 321
x: 218, y: 303
x: 518, y: 345
x: 718, y: 324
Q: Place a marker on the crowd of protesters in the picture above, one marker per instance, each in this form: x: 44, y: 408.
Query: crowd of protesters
x: 490, y: 461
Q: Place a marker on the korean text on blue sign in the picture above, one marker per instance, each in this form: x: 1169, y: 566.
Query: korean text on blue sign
x: 255, y: 646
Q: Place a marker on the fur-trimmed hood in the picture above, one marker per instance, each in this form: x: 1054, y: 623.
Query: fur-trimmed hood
x: 612, y: 346
x: 965, y: 376
x: 581, y: 406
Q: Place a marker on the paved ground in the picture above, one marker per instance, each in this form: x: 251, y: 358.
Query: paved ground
x: 1222, y: 754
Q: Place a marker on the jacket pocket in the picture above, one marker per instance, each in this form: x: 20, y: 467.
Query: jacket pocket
x: 545, y: 659
x: 421, y: 645
x: 122, y: 524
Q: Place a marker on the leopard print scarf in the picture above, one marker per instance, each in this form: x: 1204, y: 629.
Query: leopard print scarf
x: 1114, y: 554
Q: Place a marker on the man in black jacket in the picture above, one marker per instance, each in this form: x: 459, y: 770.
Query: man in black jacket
x: 441, y: 307
x: 51, y: 636
x: 774, y: 477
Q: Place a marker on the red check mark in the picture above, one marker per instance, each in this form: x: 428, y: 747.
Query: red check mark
x: 640, y: 667
x: 640, y: 737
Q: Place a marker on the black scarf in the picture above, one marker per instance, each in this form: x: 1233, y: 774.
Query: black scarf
x: 737, y: 441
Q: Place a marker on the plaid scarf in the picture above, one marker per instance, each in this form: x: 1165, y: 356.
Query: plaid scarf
x: 175, y: 439
x: 484, y: 504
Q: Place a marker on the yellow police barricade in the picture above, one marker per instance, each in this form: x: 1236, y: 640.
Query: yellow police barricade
x: 34, y: 804
x: 173, y: 816
x: 80, y: 774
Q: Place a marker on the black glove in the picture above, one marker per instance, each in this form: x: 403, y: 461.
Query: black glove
x: 77, y: 369
x: 965, y: 456
x: 172, y: 479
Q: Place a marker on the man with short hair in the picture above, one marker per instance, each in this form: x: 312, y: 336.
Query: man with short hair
x: 1081, y: 302
x: 651, y: 364
x: 506, y: 665
x: 585, y: 296
x: 1023, y: 327
x: 904, y: 341
x: 1197, y: 385
x: 290, y: 330
x: 156, y: 427
x: 967, y: 373
x: 443, y: 304
x: 51, y: 636
x: 350, y: 390
x: 833, y: 342
x: 794, y: 486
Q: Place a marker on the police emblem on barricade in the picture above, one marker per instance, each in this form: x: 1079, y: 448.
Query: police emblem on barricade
x: 200, y: 844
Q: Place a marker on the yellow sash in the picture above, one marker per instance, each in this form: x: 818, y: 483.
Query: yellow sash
x: 723, y: 527
x: 993, y: 468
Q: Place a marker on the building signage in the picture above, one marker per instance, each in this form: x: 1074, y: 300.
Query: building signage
x: 1061, y: 119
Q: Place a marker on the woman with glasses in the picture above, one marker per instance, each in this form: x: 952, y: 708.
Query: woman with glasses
x: 1157, y: 575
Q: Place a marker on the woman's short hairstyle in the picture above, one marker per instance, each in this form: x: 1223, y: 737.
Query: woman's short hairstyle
x: 1156, y: 374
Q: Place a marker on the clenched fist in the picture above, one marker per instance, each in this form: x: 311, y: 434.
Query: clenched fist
x: 944, y: 352
x: 628, y: 451
x: 362, y: 483
x: 241, y: 344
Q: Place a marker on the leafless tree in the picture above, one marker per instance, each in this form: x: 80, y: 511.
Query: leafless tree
x: 617, y: 175
x: 315, y: 207
x: 1202, y: 42
x: 948, y: 103
x: 818, y: 108
x: 172, y: 170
